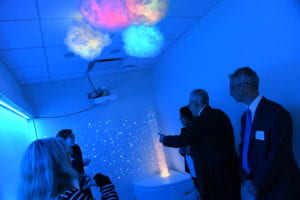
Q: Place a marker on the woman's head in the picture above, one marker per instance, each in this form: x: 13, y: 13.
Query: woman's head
x: 185, y: 116
x: 46, y: 169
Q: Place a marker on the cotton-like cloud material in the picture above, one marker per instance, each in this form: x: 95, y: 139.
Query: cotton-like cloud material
x: 106, y: 15
x: 86, y: 42
x: 147, y: 12
x: 142, y: 41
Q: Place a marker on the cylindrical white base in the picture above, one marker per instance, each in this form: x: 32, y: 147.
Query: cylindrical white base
x: 178, y: 186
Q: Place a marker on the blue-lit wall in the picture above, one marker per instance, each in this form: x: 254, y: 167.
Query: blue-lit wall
x: 11, y: 89
x: 15, y: 135
x: 261, y: 34
x: 116, y: 136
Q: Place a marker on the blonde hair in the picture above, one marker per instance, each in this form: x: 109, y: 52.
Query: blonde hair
x: 46, y: 170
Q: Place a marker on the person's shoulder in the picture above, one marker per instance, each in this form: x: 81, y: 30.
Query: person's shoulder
x: 273, y: 107
x: 218, y: 111
x: 76, y: 148
x: 74, y: 194
x: 212, y: 114
x: 272, y: 104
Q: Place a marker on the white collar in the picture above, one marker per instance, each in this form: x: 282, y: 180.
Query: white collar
x: 253, y: 106
x: 201, y: 110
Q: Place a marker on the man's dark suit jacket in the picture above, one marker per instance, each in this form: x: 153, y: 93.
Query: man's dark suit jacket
x: 211, y: 140
x: 274, y: 171
x: 77, y: 162
x: 78, y: 165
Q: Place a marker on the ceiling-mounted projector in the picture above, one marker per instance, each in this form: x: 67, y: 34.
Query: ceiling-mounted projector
x: 101, y: 95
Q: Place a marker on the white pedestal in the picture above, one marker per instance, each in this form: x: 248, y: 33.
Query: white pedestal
x: 178, y: 186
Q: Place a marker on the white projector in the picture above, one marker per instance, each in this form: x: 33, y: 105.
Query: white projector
x: 101, y: 95
x: 103, y: 99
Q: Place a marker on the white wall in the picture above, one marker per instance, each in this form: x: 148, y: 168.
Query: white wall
x: 116, y: 136
x: 15, y: 135
x: 10, y: 88
x: 261, y: 34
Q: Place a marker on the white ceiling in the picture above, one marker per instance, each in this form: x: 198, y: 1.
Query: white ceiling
x: 32, y: 34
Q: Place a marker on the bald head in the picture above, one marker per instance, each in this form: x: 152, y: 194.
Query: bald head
x: 198, y: 99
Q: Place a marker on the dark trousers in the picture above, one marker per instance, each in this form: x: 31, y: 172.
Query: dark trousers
x: 232, y: 191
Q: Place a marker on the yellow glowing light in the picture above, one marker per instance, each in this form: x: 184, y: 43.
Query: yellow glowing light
x: 147, y: 13
x: 86, y: 42
x: 162, y: 163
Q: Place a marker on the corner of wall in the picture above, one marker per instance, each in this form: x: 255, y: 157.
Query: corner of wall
x: 11, y: 89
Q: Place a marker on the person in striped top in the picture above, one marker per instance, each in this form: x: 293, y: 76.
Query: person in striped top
x: 107, y: 189
x: 47, y: 174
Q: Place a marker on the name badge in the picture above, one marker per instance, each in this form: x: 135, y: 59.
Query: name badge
x: 260, y: 135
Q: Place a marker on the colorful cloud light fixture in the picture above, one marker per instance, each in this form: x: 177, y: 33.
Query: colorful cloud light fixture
x: 117, y: 15
x: 84, y: 41
x: 108, y: 15
x: 142, y: 41
x: 147, y: 12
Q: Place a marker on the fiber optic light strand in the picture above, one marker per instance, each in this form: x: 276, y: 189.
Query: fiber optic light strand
x: 161, y: 159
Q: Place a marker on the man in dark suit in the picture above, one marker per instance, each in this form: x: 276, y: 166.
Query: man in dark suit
x: 211, y: 141
x: 269, y: 170
x: 77, y: 161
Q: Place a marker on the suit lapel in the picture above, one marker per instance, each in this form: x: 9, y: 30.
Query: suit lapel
x: 256, y: 120
x: 203, y: 113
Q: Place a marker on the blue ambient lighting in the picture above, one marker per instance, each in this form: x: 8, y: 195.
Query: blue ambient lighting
x: 142, y: 41
x: 11, y: 108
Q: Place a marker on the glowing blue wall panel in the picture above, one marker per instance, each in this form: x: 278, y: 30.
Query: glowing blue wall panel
x: 10, y: 88
x: 15, y: 135
x: 116, y: 136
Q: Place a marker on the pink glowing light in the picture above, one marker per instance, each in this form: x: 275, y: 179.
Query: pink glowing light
x: 109, y: 15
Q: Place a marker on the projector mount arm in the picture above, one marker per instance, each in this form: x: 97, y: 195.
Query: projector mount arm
x: 91, y: 65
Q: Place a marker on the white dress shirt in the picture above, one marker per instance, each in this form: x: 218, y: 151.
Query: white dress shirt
x: 253, y: 106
